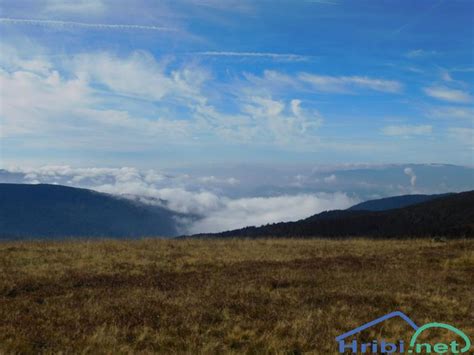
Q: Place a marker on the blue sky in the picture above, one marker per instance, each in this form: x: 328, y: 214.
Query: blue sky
x: 195, y: 82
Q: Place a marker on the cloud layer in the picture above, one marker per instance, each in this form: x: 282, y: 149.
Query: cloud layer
x: 234, y: 198
x: 91, y: 98
x: 201, y: 197
x: 447, y: 94
x: 256, y: 211
x: 238, y: 80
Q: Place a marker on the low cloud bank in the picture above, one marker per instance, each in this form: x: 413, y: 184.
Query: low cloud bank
x: 202, y: 197
x: 226, y: 197
x: 256, y: 211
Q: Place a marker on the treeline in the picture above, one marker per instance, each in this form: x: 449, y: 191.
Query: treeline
x: 451, y: 216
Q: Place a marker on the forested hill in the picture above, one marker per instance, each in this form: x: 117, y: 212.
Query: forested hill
x: 389, y: 203
x: 448, y: 216
x: 55, y: 211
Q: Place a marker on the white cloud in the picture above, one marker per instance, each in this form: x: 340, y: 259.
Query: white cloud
x: 264, y: 121
x: 257, y: 211
x: 91, y: 98
x: 140, y: 75
x: 346, y: 84
x: 286, y: 123
x: 41, y: 101
x: 49, y: 104
x: 412, y: 175
x: 177, y: 199
x: 407, y: 130
x: 11, y: 60
x: 83, y: 7
x: 261, y: 106
x: 447, y: 94
x: 272, y: 78
x: 37, y: 103
x: 452, y: 112
x: 307, y: 82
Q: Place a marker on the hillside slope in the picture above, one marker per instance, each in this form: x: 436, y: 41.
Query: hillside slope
x: 389, y: 203
x: 449, y: 216
x: 30, y: 211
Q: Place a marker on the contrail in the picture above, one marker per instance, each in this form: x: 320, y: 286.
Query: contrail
x: 98, y: 26
x: 281, y: 56
x: 418, y: 18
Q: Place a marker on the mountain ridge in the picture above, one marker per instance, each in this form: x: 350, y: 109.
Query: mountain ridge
x: 449, y: 216
x: 393, y: 202
x: 57, y: 211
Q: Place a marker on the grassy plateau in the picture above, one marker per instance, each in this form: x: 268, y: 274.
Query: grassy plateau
x: 225, y: 296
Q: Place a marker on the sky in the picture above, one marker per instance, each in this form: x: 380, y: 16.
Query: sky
x: 247, y: 99
x: 172, y: 83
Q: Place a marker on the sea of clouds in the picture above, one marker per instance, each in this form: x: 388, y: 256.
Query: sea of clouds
x: 244, y: 196
x: 203, y: 197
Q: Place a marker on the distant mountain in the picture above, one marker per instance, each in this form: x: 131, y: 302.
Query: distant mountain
x: 55, y: 211
x: 390, y: 203
x: 449, y: 216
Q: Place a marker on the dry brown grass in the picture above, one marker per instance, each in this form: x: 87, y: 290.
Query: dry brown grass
x: 226, y: 296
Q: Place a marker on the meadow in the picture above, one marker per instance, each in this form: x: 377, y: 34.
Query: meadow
x: 224, y: 296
